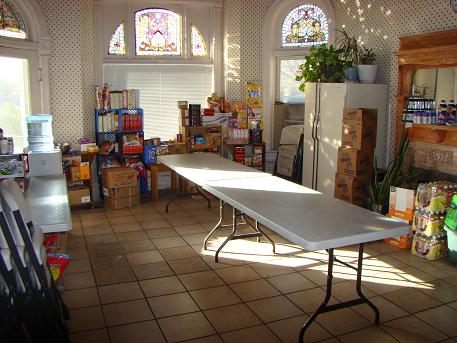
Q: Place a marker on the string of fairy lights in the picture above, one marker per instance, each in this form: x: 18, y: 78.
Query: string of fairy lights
x: 358, y: 13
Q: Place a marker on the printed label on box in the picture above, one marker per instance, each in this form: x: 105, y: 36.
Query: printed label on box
x: 85, y: 199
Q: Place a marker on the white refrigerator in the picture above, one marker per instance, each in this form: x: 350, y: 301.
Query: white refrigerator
x: 324, y: 105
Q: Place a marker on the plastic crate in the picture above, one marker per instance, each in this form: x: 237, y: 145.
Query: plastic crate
x: 150, y: 154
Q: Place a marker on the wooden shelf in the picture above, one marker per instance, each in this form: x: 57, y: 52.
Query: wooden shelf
x: 435, y: 134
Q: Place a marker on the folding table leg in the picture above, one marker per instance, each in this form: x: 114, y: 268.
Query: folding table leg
x: 257, y: 228
x: 232, y: 234
x: 218, y: 225
x: 199, y: 191
x: 323, y: 308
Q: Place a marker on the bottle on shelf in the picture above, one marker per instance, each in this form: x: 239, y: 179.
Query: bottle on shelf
x: 451, y: 113
x: 442, y: 113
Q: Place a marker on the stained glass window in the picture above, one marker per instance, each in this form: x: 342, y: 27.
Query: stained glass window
x: 117, y: 42
x: 198, y: 43
x: 157, y: 32
x: 305, y: 25
x: 11, y: 23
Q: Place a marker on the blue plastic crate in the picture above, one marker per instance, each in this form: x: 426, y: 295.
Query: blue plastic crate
x: 150, y: 154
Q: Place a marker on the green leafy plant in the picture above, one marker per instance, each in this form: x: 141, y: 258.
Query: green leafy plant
x: 322, y: 64
x: 349, y: 48
x: 393, y: 176
x: 367, y: 56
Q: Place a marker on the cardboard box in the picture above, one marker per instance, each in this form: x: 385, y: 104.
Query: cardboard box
x: 125, y: 202
x: 401, y: 203
x: 178, y: 148
x: 354, y: 162
x: 360, y: 115
x: 352, y: 187
x: 74, y: 174
x: 353, y: 199
x: 359, y: 135
x: 119, y: 177
x: 122, y: 192
x: 84, y: 171
x: 80, y: 195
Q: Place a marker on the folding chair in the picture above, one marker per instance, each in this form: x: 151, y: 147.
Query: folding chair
x: 30, y: 239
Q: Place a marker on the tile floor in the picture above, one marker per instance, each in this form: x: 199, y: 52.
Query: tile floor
x: 140, y: 275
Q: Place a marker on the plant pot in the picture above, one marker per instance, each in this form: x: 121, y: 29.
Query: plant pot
x: 367, y: 73
x: 352, y: 74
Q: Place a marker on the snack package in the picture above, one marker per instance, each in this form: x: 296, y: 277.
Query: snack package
x: 430, y: 248
x: 428, y: 224
x: 57, y: 264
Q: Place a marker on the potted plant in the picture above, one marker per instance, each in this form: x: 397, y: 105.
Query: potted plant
x: 393, y: 176
x: 367, y: 69
x: 322, y: 64
x: 349, y: 48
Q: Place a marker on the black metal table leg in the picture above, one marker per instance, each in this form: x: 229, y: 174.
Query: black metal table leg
x: 258, y: 229
x: 232, y: 234
x: 218, y: 225
x: 324, y: 307
x: 199, y: 191
x: 172, y: 199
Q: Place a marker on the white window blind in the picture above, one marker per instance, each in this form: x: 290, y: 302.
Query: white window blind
x: 161, y: 86
x: 288, y: 86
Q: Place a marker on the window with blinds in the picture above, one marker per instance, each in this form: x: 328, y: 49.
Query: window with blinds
x: 161, y: 86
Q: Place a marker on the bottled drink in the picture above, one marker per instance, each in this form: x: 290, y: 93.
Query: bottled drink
x: 442, y: 113
x: 451, y: 113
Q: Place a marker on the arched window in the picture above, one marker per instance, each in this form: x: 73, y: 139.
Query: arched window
x: 117, y: 42
x: 303, y: 26
x: 11, y: 23
x: 198, y: 43
x: 157, y: 32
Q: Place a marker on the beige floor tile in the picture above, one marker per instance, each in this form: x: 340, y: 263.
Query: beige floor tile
x: 112, y: 276
x: 86, y: 318
x: 75, y: 241
x: 144, y: 257
x: 100, y: 250
x: 78, y: 266
x: 254, y: 290
x: 372, y: 334
x: 169, y: 242
x: 84, y: 297
x: 132, y: 236
x: 207, y: 218
x: 92, y: 214
x: 152, y: 271
x: 118, y: 213
x: 155, y: 224
x: 77, y: 253
x: 127, y: 312
x: 289, y: 283
x: 310, y: 299
x: 186, y: 326
x: 416, y: 275
x: 288, y: 329
x: 411, y: 300
x: 109, y: 262
x: 231, y: 317
x: 386, y: 282
x: 173, y: 304
x: 190, y: 265
x: 267, y: 270
x: 178, y: 253
x: 214, y: 297
x: 441, y: 290
x: 388, y: 311
x: 208, y: 339
x: 145, y: 332
x: 93, y: 336
x: 253, y: 334
x: 175, y: 214
x: 161, y: 286
x: 122, y: 219
x: 196, y: 238
x: 127, y: 227
x: 181, y: 221
x: 148, y: 217
x: 79, y: 280
x: 442, y: 318
x: 137, y: 246
x: 342, y: 321
x: 101, y: 239
x: 237, y: 274
x: 346, y: 290
x: 161, y: 233
x: 94, y: 222
x: 120, y: 292
x: 412, y: 329
x: 275, y: 308
x: 200, y: 280
x: 97, y: 230
x: 190, y: 229
x: 453, y: 305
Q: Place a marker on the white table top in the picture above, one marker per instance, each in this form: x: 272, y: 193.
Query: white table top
x: 47, y: 199
x: 202, y: 168
x: 304, y: 216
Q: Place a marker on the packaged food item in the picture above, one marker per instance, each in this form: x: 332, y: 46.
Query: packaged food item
x: 428, y: 224
x: 431, y: 197
x: 57, y: 264
x: 431, y: 248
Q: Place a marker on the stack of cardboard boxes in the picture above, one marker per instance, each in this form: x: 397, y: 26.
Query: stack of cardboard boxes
x: 355, y: 157
x: 120, y: 187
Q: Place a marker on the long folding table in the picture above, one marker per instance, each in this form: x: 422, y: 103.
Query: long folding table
x: 305, y: 217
